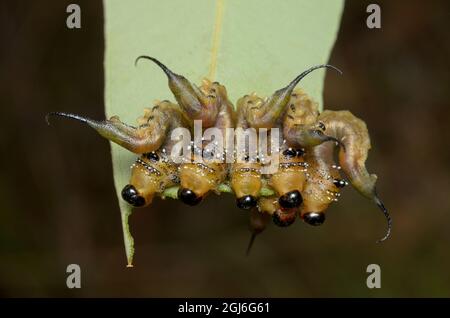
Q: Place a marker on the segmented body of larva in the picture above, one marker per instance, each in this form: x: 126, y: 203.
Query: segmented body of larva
x: 308, y: 176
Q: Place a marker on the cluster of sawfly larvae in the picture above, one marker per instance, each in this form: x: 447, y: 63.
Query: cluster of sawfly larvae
x: 318, y: 152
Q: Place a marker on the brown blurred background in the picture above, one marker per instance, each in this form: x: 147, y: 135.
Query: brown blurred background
x: 58, y: 204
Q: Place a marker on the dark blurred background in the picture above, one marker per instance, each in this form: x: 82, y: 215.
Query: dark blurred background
x: 58, y: 203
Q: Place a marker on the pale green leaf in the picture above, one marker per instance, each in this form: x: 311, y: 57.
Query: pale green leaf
x: 247, y: 45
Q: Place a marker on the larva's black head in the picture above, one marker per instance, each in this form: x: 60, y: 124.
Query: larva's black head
x: 188, y: 196
x: 290, y: 153
x: 314, y: 218
x: 292, y: 199
x: 131, y: 195
x: 246, y: 202
x: 283, y: 219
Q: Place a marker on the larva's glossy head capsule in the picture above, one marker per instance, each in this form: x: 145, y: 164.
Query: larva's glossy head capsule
x: 188, y: 196
x: 246, y: 202
x: 314, y: 218
x: 132, y: 196
x: 292, y: 199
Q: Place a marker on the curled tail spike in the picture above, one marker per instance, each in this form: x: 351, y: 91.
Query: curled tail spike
x: 380, y: 204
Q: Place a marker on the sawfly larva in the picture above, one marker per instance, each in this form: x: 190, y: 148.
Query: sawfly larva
x: 309, y: 175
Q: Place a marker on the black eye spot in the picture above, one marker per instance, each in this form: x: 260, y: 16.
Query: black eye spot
x: 339, y: 183
x: 292, y: 106
x: 208, y: 154
x: 283, y: 219
x: 291, y: 200
x: 131, y: 195
x: 318, y: 132
x: 188, y: 196
x: 299, y: 152
x: 246, y: 202
x: 314, y: 218
x: 322, y: 126
x: 152, y: 156
x: 290, y: 153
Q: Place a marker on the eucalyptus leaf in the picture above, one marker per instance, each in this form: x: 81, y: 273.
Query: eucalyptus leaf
x: 249, y: 46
